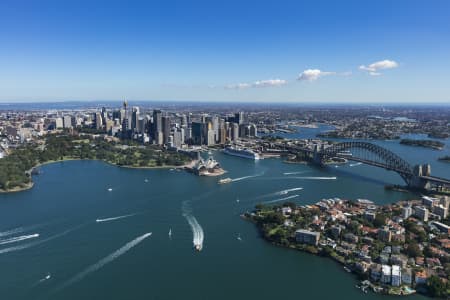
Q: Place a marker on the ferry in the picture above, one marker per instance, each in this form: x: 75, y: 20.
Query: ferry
x: 225, y: 180
x: 242, y: 152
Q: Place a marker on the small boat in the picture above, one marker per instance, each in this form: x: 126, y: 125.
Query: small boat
x: 110, y: 190
x: 347, y: 269
x: 237, y: 200
x: 209, y: 152
x: 198, y: 247
x: 48, y: 276
x: 145, y: 180
x: 170, y: 232
x: 239, y: 237
x: 225, y: 180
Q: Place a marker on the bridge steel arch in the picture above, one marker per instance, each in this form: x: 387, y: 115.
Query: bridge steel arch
x: 374, y: 154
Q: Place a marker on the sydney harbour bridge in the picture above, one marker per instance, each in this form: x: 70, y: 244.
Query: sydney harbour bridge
x: 418, y: 176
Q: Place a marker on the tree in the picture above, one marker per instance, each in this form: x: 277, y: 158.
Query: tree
x: 380, y: 220
x: 436, y: 287
x: 413, y: 250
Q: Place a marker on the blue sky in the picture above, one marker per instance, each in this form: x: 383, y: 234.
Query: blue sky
x: 262, y: 51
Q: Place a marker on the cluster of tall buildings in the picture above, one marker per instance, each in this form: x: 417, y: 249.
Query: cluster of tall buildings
x: 173, y: 129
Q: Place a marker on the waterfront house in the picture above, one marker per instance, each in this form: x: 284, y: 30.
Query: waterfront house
x: 396, y: 276
x: 375, y: 272
x: 386, y: 273
x: 362, y: 266
x: 421, y: 277
x: 406, y: 276
x: 307, y: 237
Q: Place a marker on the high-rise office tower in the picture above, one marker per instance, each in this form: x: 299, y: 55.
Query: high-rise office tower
x: 134, y: 119
x: 125, y: 120
x: 235, y: 132
x: 165, y: 123
x: 98, y: 121
x: 197, y: 133
x: 215, y: 128
x: 157, y: 126
x: 239, y: 118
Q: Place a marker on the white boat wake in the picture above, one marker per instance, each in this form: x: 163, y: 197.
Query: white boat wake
x: 281, y: 199
x: 284, y: 192
x: 246, y: 177
x: 355, y: 164
x: 114, y: 218
x: 19, y: 238
x: 31, y: 244
x: 294, y: 173
x: 19, y: 230
x: 197, y: 231
x: 124, y: 249
x: 47, y: 277
x: 317, y: 178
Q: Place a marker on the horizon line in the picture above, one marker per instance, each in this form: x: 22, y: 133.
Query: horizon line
x: 208, y: 102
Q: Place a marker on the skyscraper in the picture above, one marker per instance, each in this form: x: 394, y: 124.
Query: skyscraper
x: 157, y: 126
x: 197, y: 133
x: 239, y: 118
x: 165, y: 123
x: 215, y: 128
x: 135, y: 119
x: 98, y: 121
x: 125, y: 121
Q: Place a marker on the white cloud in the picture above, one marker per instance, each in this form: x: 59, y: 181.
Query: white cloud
x: 257, y: 84
x: 237, y: 86
x: 374, y: 68
x: 269, y: 82
x: 313, y: 74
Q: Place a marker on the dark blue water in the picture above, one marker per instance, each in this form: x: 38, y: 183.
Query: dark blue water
x: 92, y: 260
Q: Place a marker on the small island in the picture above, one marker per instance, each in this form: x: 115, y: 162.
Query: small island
x: 394, y: 249
x: 445, y: 158
x: 17, y: 168
x: 423, y: 143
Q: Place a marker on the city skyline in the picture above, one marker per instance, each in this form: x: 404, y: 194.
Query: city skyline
x: 236, y: 52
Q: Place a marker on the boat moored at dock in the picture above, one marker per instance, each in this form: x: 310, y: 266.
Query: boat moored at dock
x: 242, y: 152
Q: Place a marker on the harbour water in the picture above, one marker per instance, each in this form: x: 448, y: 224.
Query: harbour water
x: 103, y: 231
